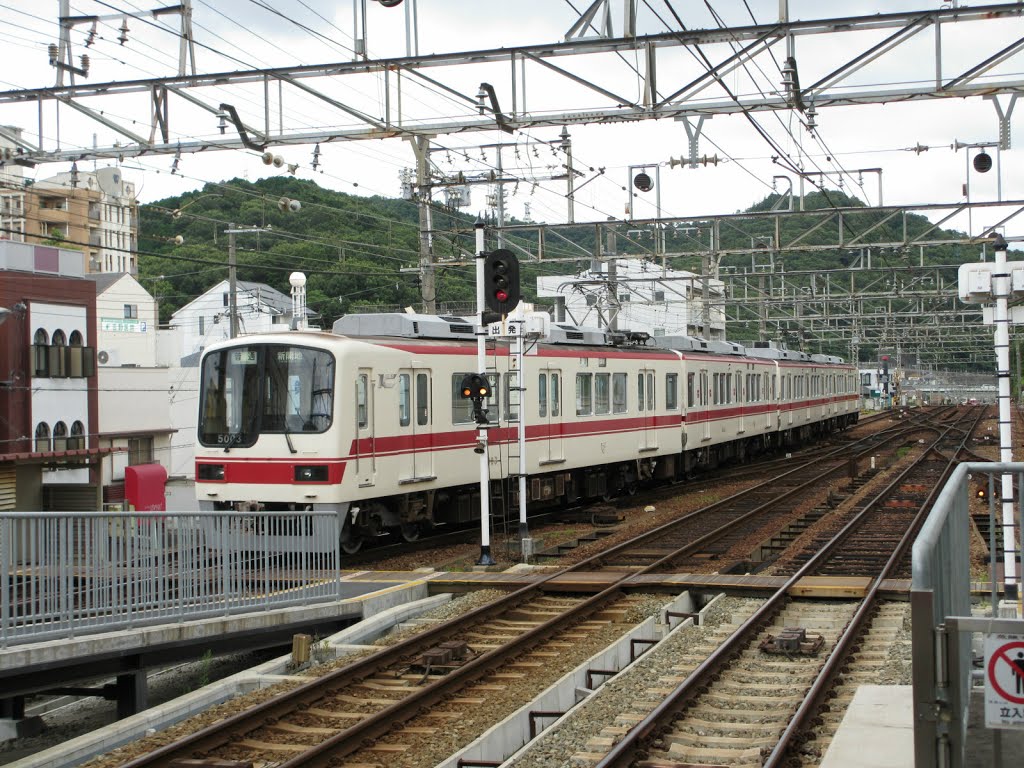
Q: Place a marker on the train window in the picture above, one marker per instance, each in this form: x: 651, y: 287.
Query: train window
x: 620, y: 394
x: 602, y: 394
x: 247, y: 390
x: 556, y: 394
x: 584, y: 394
x: 542, y: 395
x: 672, y: 391
x: 689, y: 390
x: 512, y: 396
x: 640, y: 392
x: 714, y: 388
x: 650, y: 391
x: 404, y: 400
x: 362, y: 383
x: 422, y: 399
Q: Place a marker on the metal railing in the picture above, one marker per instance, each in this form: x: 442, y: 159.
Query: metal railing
x: 66, y: 574
x: 941, y: 610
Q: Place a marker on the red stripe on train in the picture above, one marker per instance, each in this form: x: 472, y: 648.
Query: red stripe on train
x: 272, y: 472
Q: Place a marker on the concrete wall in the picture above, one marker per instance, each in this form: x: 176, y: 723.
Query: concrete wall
x: 126, y: 340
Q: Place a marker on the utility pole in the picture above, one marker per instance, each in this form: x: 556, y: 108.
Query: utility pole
x: 233, y: 272
x: 500, y: 201
x: 570, y: 176
x: 613, y: 284
x: 232, y: 282
x: 428, y: 292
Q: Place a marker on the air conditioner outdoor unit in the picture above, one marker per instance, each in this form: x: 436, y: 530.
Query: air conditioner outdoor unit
x: 108, y: 357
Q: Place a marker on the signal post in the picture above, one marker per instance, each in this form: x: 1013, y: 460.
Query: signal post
x: 497, y: 293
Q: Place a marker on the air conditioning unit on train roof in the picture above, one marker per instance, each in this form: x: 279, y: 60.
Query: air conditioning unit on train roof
x: 681, y: 343
x: 767, y: 353
x: 405, y: 325
x: 726, y: 347
x: 830, y: 359
x: 563, y: 333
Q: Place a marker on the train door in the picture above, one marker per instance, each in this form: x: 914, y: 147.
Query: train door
x: 549, y: 396
x: 366, y: 449
x: 646, y: 400
x: 416, y: 457
x: 809, y: 393
x: 704, y: 402
x: 788, y: 398
x: 742, y: 392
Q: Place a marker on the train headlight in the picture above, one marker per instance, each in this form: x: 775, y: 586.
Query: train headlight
x: 311, y: 473
x: 210, y: 471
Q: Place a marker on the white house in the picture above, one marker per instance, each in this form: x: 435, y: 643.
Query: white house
x: 140, y: 417
x: 646, y: 297
x: 206, y: 320
x: 126, y: 317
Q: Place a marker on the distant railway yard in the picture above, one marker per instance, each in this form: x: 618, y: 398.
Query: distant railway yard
x: 722, y: 621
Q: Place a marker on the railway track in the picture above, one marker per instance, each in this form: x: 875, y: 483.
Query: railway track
x: 426, y: 689
x: 783, y: 627
x: 434, y: 678
x: 701, y: 542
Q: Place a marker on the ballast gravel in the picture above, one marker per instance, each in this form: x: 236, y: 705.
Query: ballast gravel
x: 557, y: 746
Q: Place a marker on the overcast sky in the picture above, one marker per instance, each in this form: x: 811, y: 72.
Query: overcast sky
x: 241, y: 34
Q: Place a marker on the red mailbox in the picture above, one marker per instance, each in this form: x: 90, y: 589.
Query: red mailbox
x: 144, y: 487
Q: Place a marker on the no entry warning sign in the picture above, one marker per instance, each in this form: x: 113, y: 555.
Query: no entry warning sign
x: 1004, y: 681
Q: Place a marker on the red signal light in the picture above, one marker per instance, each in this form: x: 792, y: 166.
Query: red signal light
x: 501, y: 295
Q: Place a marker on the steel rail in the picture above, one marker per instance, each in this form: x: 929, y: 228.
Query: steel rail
x: 354, y: 737
x: 624, y: 752
x: 833, y: 664
x: 656, y: 533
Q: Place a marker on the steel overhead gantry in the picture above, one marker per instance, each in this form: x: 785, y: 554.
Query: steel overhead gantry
x: 669, y: 88
x: 855, y: 232
x: 881, y: 274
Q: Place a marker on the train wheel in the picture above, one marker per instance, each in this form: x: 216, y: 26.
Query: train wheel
x: 411, y: 531
x: 351, y: 540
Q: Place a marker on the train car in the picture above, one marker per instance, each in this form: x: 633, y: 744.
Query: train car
x: 368, y: 421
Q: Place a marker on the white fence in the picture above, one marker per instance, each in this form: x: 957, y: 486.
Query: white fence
x: 65, y: 574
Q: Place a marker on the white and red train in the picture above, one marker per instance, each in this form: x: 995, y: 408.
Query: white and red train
x: 368, y: 421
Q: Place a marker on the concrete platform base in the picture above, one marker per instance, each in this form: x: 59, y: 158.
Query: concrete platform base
x: 20, y: 729
x: 877, y: 730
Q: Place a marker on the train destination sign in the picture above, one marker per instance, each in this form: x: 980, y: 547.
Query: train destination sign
x: 1004, y: 681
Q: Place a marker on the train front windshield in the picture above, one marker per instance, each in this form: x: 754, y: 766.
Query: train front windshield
x: 256, y: 389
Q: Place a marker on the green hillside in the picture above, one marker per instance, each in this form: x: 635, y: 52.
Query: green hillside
x: 352, y: 247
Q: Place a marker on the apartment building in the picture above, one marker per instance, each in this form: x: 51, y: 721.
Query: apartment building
x: 92, y: 212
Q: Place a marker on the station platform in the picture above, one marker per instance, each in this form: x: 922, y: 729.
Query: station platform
x: 878, y: 732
